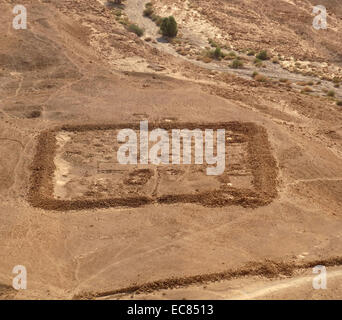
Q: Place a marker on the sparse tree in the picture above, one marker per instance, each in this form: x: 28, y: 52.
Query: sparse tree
x: 169, y: 27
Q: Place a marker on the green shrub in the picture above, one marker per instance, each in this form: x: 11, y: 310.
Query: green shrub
x: 214, y: 54
x: 258, y: 62
x: 218, y: 53
x: 236, y: 64
x: 118, y: 13
x: 331, y: 93
x: 169, y: 27
x: 213, y: 43
x: 136, y: 29
x: 148, y: 12
x: 262, y: 55
x: 251, y: 53
x: 230, y: 55
x: 339, y: 103
x: 156, y: 19
x: 254, y: 74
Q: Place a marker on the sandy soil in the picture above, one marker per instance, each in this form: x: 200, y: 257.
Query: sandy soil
x: 77, y: 66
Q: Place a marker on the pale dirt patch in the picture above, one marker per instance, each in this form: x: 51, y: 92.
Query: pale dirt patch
x: 62, y: 167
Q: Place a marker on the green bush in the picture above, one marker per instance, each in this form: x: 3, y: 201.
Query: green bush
x: 262, y: 55
x: 214, y: 54
x: 118, y: 13
x: 169, y: 27
x: 339, y: 103
x: 156, y: 19
x: 136, y: 29
x: 148, y: 12
x: 213, y: 43
x: 331, y: 93
x: 254, y: 74
x: 258, y: 62
x: 236, y: 64
x: 218, y: 53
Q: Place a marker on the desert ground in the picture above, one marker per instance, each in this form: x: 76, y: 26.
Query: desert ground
x: 85, y: 229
